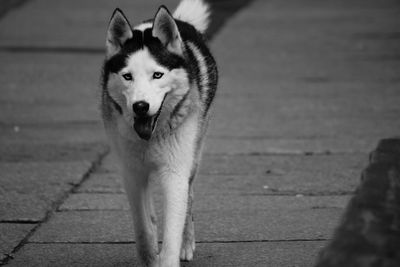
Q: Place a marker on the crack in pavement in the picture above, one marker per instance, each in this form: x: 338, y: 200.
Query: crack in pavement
x: 95, y: 163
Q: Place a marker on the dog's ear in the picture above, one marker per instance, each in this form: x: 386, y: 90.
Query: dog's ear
x: 166, y: 30
x: 118, y: 32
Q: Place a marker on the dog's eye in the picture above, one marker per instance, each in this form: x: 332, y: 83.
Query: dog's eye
x: 157, y: 75
x: 127, y: 76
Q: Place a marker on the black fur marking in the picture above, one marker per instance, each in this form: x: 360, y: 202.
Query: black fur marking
x: 194, y: 70
x: 138, y: 41
x: 160, y: 53
x: 212, y: 82
x: 189, y: 33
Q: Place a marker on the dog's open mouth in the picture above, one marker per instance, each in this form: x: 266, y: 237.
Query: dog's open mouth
x: 145, y: 125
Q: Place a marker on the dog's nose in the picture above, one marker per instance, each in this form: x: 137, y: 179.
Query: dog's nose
x: 140, y: 108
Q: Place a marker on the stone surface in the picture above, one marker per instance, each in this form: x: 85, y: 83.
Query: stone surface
x: 283, y: 254
x: 11, y: 235
x: 315, y: 71
x: 102, y: 183
x: 208, y: 202
x: 220, y: 144
x: 52, y: 133
x: 28, y: 190
x: 86, y: 226
x: 89, y: 21
x: 51, y: 152
x: 104, y: 201
x: 89, y: 34
x: 61, y: 88
x: 218, y: 218
x: 259, y: 174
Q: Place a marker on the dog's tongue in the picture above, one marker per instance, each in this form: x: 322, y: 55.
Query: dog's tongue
x: 144, y: 127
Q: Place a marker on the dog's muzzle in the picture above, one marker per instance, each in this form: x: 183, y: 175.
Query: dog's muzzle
x: 145, y: 125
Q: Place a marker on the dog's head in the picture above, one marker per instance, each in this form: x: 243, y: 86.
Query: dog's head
x: 143, y: 66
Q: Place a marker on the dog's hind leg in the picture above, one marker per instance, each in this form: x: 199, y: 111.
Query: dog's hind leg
x: 139, y: 194
x: 188, y: 238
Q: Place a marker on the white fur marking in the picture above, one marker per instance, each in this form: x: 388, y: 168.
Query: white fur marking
x: 143, y: 26
x: 195, y: 12
x: 144, y: 88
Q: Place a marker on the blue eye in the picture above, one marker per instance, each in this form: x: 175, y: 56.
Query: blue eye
x: 157, y: 75
x: 127, y: 76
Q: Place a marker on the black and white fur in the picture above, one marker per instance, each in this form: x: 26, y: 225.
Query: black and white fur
x: 159, y: 80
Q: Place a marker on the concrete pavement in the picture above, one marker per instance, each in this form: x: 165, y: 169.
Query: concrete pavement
x: 307, y: 89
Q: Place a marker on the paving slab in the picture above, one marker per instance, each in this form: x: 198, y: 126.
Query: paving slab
x: 89, y: 23
x: 283, y: 254
x: 11, y: 235
x: 229, y: 218
x: 208, y: 202
x: 265, y: 163
x: 28, y: 190
x: 53, y: 133
x: 93, y: 201
x: 61, y: 88
x: 269, y: 144
x: 259, y: 174
x: 314, y: 71
x: 102, y: 183
x: 279, y: 173
x: 88, y: 20
x: 51, y: 152
x: 298, y: 118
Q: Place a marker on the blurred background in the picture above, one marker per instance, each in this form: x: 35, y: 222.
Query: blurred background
x: 307, y: 89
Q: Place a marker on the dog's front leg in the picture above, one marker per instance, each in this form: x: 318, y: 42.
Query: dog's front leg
x: 175, y: 185
x: 139, y: 195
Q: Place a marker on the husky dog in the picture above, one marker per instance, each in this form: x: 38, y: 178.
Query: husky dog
x: 159, y: 80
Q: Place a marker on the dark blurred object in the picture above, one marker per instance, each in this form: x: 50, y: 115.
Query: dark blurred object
x: 221, y: 11
x: 7, y: 5
x: 369, y: 233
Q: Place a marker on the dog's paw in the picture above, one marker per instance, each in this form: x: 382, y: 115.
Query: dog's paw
x: 148, y: 256
x: 187, y: 250
x: 155, y: 262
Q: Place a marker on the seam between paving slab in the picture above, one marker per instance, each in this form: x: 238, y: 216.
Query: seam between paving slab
x: 54, y: 207
x: 197, y: 242
x: 52, y: 49
x: 20, y: 221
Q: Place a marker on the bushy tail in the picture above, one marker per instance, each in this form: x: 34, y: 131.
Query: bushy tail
x: 195, y: 12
